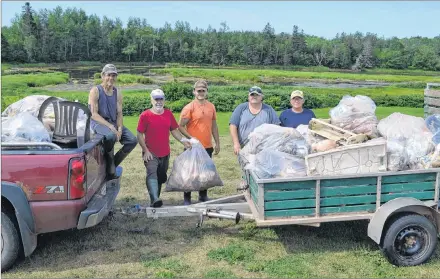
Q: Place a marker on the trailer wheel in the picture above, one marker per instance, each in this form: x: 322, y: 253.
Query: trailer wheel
x: 409, y: 240
x: 10, y: 244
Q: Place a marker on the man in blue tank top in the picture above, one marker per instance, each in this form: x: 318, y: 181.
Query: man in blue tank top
x: 297, y: 115
x: 105, y: 103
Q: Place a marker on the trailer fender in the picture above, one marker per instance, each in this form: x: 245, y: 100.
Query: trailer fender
x: 398, y: 205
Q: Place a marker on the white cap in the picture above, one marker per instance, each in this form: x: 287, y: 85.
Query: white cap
x: 157, y: 93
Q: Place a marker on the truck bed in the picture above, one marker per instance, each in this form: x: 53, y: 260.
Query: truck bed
x: 315, y: 199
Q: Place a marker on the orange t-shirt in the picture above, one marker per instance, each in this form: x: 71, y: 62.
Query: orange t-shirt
x: 200, y: 121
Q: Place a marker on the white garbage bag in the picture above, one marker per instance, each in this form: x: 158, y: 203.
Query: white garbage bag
x: 24, y: 127
x: 355, y: 114
x: 29, y: 104
x: 193, y: 170
x: 271, y: 163
x: 283, y: 139
x: 408, y: 139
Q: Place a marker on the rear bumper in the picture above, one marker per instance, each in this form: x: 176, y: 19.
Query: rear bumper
x: 100, y: 205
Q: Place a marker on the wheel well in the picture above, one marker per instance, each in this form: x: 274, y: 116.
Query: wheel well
x: 9, y: 209
x: 399, y: 214
x: 7, y: 206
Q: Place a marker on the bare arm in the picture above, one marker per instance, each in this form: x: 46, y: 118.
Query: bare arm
x: 93, y: 102
x: 141, y: 140
x: 215, y: 133
x: 177, y: 135
x: 234, y: 134
x: 182, y: 127
x: 119, y: 112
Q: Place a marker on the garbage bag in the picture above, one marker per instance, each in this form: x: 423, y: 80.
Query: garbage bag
x: 193, y: 170
x: 24, y: 127
x: 29, y: 104
x: 283, y: 139
x: 408, y: 139
x: 433, y: 124
x: 355, y: 114
x: 271, y: 163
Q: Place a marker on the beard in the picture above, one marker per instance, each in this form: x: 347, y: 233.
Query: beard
x: 158, y: 108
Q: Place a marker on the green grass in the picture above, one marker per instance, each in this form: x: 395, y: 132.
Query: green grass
x: 256, y: 75
x: 124, y: 79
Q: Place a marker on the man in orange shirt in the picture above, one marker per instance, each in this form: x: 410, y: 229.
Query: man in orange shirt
x: 198, y: 120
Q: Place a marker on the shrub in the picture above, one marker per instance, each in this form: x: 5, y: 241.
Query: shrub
x: 175, y: 91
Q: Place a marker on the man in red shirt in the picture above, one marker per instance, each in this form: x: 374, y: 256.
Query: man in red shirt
x: 153, y: 134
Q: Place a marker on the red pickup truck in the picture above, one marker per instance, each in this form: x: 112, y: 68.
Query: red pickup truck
x: 46, y: 188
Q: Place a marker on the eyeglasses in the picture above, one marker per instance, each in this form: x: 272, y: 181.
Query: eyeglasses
x: 297, y: 98
x: 254, y: 94
x: 158, y: 99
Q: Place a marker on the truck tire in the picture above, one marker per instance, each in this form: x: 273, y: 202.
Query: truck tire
x: 409, y: 240
x: 10, y: 243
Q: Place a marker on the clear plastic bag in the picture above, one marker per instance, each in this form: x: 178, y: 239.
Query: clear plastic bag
x: 408, y: 139
x: 283, y: 139
x: 24, y: 127
x: 193, y: 170
x: 355, y: 114
x: 271, y: 163
x: 29, y: 104
x: 433, y: 124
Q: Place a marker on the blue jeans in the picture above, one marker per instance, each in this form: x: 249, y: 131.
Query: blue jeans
x: 128, y: 141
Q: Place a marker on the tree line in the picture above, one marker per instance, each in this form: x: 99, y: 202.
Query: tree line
x: 71, y: 35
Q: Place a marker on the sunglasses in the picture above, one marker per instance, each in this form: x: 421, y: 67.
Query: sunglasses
x: 254, y: 94
x: 158, y: 99
x: 256, y: 89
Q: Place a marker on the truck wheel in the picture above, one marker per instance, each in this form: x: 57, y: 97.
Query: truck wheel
x: 409, y: 240
x: 9, y: 243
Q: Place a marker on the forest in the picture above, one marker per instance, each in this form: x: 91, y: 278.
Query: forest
x: 70, y: 35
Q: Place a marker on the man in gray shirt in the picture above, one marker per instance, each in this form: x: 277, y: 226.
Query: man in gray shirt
x: 248, y: 116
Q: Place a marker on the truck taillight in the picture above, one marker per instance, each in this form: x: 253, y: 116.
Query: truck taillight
x: 77, y: 187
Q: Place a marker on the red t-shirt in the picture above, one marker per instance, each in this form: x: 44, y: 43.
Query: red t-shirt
x: 157, y: 131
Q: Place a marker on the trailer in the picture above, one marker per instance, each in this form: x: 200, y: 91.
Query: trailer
x: 401, y: 207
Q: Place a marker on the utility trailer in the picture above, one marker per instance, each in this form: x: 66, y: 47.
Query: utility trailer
x: 401, y: 207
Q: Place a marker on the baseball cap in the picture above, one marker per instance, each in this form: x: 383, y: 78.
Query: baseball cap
x: 297, y: 93
x: 157, y: 93
x: 109, y: 69
x: 255, y: 89
x: 201, y: 84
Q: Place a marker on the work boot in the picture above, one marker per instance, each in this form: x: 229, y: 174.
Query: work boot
x: 120, y: 156
x: 203, y: 196
x: 187, y: 198
x: 153, y: 191
x: 110, y: 164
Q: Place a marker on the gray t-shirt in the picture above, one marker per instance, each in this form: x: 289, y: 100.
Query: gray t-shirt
x: 246, y: 122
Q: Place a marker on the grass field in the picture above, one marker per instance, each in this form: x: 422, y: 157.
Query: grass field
x: 257, y: 75
x: 135, y: 247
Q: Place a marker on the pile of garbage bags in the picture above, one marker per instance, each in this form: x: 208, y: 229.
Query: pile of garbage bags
x: 408, y: 140
x: 193, y: 170
x: 411, y: 142
x: 25, y: 112
x: 274, y: 151
x: 24, y: 127
x: 355, y: 114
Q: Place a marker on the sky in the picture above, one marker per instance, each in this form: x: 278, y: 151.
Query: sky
x: 320, y: 18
